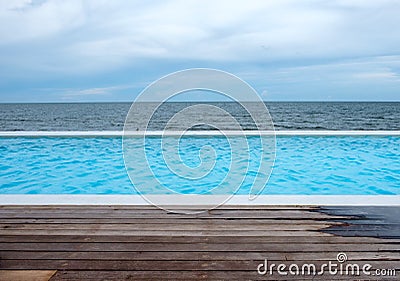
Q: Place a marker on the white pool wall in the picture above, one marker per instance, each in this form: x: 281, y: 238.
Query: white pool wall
x: 192, y: 133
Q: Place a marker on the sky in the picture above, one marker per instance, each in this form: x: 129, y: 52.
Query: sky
x: 98, y: 50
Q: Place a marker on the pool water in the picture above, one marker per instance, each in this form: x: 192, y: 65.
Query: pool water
x: 305, y: 165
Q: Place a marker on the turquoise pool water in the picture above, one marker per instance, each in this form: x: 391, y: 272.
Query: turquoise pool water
x: 307, y: 165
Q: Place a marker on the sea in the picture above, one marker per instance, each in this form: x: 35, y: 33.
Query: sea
x: 285, y: 116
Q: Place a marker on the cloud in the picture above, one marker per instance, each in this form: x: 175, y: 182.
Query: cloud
x: 73, y: 93
x: 89, y: 92
x: 22, y: 21
x: 381, y: 75
x: 385, y: 67
x: 108, y: 34
x: 267, y: 40
x: 371, y: 78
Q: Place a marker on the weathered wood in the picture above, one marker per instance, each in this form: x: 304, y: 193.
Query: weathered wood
x: 155, y: 275
x: 165, y: 221
x: 26, y: 275
x: 216, y: 212
x: 146, y: 243
x: 160, y: 214
x: 215, y: 247
x: 195, y: 255
x: 167, y: 232
x: 230, y: 265
x: 243, y: 216
x: 193, y: 275
x: 61, y: 237
x: 167, y: 227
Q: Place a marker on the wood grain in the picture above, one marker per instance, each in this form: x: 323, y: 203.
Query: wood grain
x: 146, y: 243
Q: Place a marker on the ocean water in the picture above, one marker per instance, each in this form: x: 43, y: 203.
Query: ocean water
x: 285, y: 115
x: 304, y: 165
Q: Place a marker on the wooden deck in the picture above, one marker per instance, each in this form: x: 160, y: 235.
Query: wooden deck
x: 145, y: 243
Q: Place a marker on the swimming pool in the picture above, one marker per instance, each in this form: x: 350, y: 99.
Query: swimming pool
x: 305, y: 165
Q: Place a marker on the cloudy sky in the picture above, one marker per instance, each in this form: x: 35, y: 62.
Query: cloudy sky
x: 76, y: 50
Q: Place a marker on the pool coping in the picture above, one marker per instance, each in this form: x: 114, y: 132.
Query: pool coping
x: 200, y: 200
x: 194, y: 133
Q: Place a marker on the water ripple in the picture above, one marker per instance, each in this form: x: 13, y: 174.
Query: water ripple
x: 304, y: 165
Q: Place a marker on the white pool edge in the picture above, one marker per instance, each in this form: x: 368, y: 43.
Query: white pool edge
x: 201, y: 200
x: 191, y: 133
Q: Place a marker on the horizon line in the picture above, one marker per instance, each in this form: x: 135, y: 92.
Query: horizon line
x: 197, y: 101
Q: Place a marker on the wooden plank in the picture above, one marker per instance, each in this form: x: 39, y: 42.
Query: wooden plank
x: 26, y: 275
x: 216, y: 247
x: 214, y: 232
x: 164, y: 221
x: 244, y: 216
x: 162, y: 265
x: 186, y: 255
x: 22, y: 237
x: 165, y: 227
x: 277, y: 214
x: 30, y: 210
x: 192, y: 275
x: 153, y: 275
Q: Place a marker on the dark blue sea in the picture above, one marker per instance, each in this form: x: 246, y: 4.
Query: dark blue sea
x: 285, y: 116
